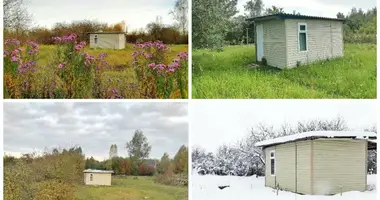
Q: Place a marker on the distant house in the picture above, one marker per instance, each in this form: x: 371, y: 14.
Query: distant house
x: 287, y: 40
x: 150, y: 163
x: 107, y: 40
x: 97, y: 177
x: 318, y: 163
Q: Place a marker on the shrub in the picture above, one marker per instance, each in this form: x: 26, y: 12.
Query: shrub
x: 145, y: 170
x: 52, y: 189
x: 264, y: 61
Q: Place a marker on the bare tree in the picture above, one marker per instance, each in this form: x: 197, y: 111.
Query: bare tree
x: 180, y: 14
x: 16, y: 17
x: 113, y: 151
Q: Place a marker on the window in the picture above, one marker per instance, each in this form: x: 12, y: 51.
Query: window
x: 302, y: 37
x: 96, y: 39
x: 272, y: 163
x: 91, y: 177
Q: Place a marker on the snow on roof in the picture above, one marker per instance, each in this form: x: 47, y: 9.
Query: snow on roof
x: 317, y: 134
x: 98, y: 171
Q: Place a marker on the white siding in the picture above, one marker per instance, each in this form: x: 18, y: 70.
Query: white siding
x: 97, y: 179
x: 274, y: 42
x: 108, y: 41
x: 339, y: 165
x: 286, y: 166
x: 304, y: 166
x: 325, y: 40
x: 270, y: 181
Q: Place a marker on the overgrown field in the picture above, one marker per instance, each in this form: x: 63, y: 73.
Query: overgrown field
x: 70, y: 69
x: 132, y: 189
x: 227, y: 74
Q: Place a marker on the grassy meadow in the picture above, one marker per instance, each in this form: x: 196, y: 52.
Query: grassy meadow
x: 132, y: 189
x: 227, y: 74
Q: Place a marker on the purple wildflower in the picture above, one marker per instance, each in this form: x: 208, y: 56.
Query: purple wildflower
x: 148, y: 56
x: 152, y: 65
x: 61, y: 65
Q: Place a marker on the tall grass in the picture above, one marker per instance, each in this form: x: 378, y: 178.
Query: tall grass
x: 69, y: 70
x: 227, y: 75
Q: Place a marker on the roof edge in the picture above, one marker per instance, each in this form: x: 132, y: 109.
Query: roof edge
x: 316, y: 135
x: 283, y: 16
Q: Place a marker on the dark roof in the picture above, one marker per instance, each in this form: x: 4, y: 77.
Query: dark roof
x: 109, y: 32
x: 150, y: 162
x: 283, y: 16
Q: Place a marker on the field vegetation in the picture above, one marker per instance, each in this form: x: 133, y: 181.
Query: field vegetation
x: 58, y: 174
x: 56, y: 62
x: 228, y: 74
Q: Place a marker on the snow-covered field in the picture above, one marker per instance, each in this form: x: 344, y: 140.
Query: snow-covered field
x: 247, y: 188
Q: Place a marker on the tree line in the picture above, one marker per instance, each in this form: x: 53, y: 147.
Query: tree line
x: 242, y: 158
x: 216, y: 23
x: 18, y: 24
x: 138, y: 162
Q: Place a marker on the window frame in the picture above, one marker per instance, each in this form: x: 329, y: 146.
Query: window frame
x: 96, y: 39
x: 298, y: 35
x: 270, y: 159
x: 91, y: 177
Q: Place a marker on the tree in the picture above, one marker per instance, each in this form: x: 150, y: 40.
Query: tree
x: 210, y: 22
x: 16, y: 17
x: 113, y: 151
x: 274, y: 10
x: 180, y: 14
x: 181, y: 160
x: 138, y: 148
x: 163, y: 164
x: 254, y: 8
x: 340, y: 15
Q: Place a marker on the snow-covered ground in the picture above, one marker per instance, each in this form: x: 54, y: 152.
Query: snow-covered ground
x: 247, y: 188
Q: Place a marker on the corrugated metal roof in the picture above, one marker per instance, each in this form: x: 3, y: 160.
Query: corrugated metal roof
x: 109, y: 32
x: 98, y: 171
x: 283, y: 16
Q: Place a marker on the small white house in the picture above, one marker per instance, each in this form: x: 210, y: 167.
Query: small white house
x: 287, y: 40
x: 97, y: 177
x: 318, y: 162
x: 107, y: 40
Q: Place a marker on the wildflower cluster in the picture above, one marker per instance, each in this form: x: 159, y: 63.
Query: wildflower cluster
x: 19, y: 66
x: 66, y: 38
x: 157, y: 78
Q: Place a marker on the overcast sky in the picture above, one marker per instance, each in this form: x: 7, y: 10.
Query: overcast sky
x: 326, y: 8
x: 32, y: 127
x: 137, y: 14
x: 214, y: 123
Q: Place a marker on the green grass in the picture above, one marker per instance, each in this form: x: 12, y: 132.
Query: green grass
x: 129, y: 189
x: 115, y: 57
x: 227, y: 75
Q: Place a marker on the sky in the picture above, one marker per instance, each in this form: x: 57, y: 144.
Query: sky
x: 214, y: 123
x: 32, y: 127
x: 137, y: 14
x: 325, y: 8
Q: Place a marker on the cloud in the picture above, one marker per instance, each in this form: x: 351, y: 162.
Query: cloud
x: 136, y: 13
x: 325, y: 8
x: 94, y: 126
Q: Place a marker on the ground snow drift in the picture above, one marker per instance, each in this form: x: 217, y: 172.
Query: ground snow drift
x: 248, y: 188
